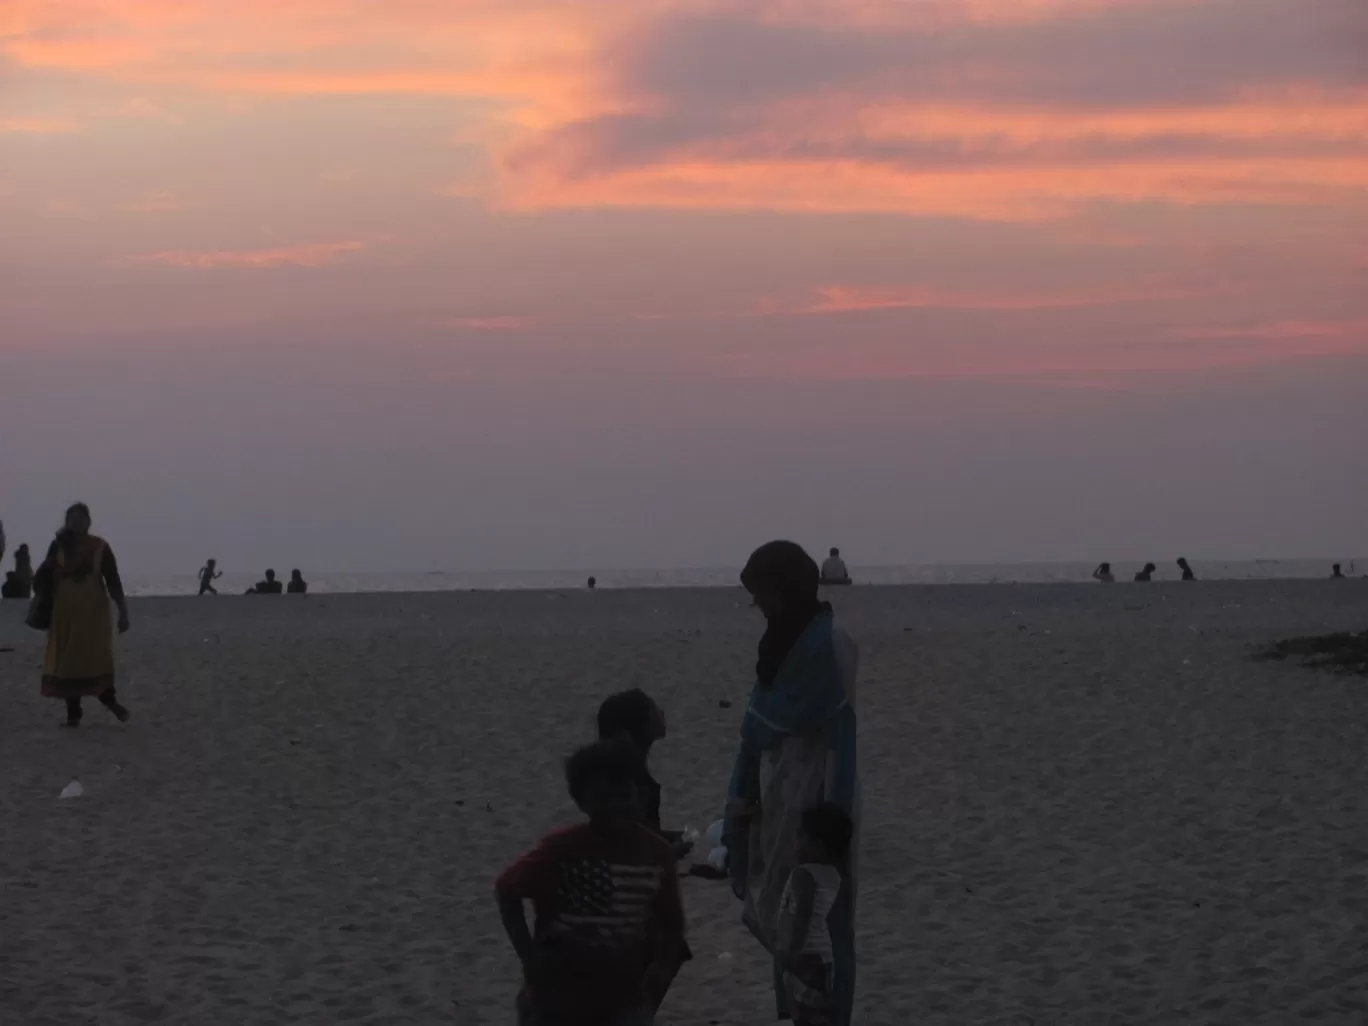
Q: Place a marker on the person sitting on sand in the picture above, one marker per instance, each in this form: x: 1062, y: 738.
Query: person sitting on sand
x: 19, y: 581
x: 834, y: 569
x: 297, y: 585
x: 608, y: 967
x: 1146, y: 574
x: 1335, y: 574
x: 209, y: 573
x: 270, y: 586
x: 1188, y: 575
x: 1104, y: 574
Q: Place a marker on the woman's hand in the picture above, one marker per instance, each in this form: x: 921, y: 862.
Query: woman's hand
x: 123, y: 621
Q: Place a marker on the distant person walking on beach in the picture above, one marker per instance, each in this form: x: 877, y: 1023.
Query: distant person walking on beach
x: 1146, y: 574
x: 1335, y: 573
x: 19, y: 581
x: 797, y: 750
x: 270, y: 586
x: 81, y: 576
x: 1103, y: 573
x: 297, y: 585
x: 1188, y: 575
x: 834, y: 569
x: 208, y: 574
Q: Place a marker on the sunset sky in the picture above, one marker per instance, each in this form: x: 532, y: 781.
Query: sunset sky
x: 507, y: 284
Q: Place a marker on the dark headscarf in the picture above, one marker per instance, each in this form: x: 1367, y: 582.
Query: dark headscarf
x: 783, y: 568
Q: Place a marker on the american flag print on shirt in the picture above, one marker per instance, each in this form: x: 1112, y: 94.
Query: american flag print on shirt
x: 604, y: 902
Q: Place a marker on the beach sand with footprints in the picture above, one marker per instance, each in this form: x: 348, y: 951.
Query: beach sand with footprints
x: 1083, y: 804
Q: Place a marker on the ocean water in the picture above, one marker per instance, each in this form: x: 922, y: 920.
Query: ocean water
x: 726, y: 577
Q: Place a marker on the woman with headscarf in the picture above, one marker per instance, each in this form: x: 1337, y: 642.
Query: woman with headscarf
x: 81, y: 576
x: 797, y: 750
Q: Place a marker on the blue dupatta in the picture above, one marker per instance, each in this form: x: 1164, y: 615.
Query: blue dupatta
x: 806, y: 698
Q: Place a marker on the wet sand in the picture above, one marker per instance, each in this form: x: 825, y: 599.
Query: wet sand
x: 1084, y: 804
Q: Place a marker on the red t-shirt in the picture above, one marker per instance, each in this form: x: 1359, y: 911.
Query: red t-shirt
x: 599, y: 900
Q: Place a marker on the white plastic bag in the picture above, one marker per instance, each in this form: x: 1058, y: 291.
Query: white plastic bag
x: 712, y: 837
x: 72, y: 790
x: 712, y: 844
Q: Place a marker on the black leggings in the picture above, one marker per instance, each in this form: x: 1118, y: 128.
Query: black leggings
x: 107, y: 699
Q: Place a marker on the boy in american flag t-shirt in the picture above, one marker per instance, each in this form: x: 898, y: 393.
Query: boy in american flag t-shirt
x: 600, y: 892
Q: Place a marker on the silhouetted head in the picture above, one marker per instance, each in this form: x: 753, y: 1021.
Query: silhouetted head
x: 270, y: 575
x: 836, y: 553
x: 77, y: 519
x: 1105, y: 568
x: 1150, y: 568
x: 1182, y: 562
x: 212, y: 563
x: 22, y: 553
x: 295, y: 575
x: 631, y: 716
x: 602, y: 780
x: 781, y: 577
x: 824, y: 834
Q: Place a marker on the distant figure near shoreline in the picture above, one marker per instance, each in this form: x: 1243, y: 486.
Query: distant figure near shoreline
x: 834, y: 569
x: 270, y: 586
x: 209, y: 573
x: 297, y: 585
x: 1188, y: 575
x: 19, y: 581
x: 1335, y: 574
x: 593, y: 583
x: 1104, y: 574
x: 1147, y: 574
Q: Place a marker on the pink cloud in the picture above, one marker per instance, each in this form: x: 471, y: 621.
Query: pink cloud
x: 1096, y: 365
x: 1288, y: 331
x: 857, y: 298
x: 321, y: 254
x: 500, y: 323
x: 155, y: 203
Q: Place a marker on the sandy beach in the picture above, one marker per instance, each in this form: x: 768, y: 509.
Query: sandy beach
x: 1084, y: 804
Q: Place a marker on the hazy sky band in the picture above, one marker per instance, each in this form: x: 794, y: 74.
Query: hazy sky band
x: 509, y: 279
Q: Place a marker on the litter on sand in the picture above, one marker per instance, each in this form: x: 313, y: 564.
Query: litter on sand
x: 72, y: 790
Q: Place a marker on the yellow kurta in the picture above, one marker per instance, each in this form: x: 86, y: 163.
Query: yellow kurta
x: 80, y: 643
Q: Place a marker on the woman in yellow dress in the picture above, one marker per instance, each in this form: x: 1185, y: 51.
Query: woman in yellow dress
x: 83, y: 577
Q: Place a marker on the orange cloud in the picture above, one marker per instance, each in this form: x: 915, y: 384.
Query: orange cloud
x: 312, y: 255
x: 843, y: 105
x: 38, y: 126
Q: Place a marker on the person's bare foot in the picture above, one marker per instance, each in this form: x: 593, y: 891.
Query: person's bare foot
x: 120, y: 713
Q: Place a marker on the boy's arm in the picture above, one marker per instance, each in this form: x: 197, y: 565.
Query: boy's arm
x: 796, y: 920
x: 515, y: 923
x: 523, y: 881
